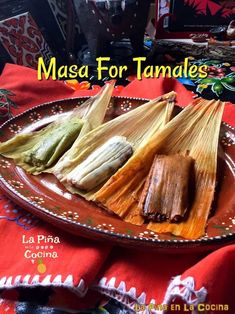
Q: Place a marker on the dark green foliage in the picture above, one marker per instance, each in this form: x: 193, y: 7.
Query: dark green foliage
x: 6, y: 103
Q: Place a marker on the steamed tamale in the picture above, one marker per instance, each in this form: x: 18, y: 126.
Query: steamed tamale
x: 53, y: 144
x: 136, y: 126
x: 39, y: 150
x: 196, y: 131
x: 101, y: 164
x: 166, y: 191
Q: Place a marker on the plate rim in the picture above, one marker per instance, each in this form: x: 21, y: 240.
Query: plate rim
x: 158, y: 243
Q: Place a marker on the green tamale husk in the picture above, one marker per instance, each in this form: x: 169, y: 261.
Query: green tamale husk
x: 38, y: 151
x: 53, y: 144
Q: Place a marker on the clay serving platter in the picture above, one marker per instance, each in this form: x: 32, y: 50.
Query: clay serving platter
x: 46, y: 197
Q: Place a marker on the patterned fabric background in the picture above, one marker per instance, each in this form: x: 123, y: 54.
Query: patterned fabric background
x: 23, y: 40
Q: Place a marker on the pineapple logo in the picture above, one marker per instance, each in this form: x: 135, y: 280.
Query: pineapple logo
x: 41, y: 268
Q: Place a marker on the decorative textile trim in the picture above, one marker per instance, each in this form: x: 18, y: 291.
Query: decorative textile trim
x: 184, y: 289
x: 120, y: 293
x: 47, y: 281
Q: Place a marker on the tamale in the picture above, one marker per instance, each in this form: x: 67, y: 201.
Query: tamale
x: 136, y: 126
x: 38, y: 151
x: 101, y: 164
x: 53, y: 144
x: 166, y: 191
x: 195, y: 130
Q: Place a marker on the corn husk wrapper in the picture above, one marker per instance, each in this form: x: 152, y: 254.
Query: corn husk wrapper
x: 195, y: 131
x: 136, y: 126
x: 38, y: 151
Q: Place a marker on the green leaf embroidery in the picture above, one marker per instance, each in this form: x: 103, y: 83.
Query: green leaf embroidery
x: 89, y: 221
x: 129, y: 231
x: 217, y: 88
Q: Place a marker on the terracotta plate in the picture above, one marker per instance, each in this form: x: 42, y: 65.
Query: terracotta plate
x: 44, y: 196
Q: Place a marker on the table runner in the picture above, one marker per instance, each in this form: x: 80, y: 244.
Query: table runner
x: 83, y: 266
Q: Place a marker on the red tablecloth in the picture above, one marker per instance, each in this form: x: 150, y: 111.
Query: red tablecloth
x: 82, y: 266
